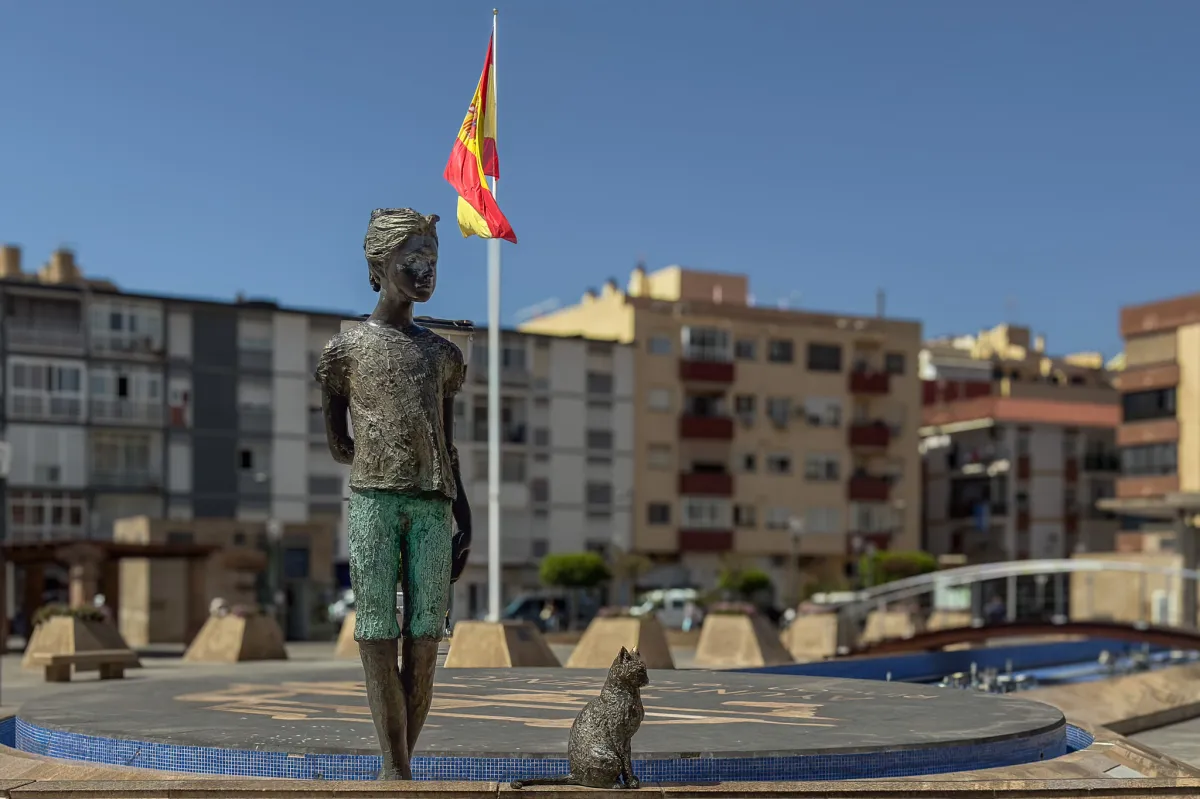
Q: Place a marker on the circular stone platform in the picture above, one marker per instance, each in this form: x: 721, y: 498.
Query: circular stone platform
x: 311, y: 722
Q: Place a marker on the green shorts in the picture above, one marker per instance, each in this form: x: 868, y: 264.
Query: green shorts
x: 388, y: 531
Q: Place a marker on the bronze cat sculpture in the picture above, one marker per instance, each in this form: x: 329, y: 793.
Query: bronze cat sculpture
x: 599, y: 752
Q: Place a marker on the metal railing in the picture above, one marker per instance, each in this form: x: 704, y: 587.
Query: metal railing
x: 45, y: 406
x: 120, y: 410
x: 47, y: 335
x: 126, y: 478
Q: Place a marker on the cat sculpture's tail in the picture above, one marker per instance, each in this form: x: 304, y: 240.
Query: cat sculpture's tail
x: 565, y: 779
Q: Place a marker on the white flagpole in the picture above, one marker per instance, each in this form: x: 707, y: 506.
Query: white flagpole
x: 493, y: 250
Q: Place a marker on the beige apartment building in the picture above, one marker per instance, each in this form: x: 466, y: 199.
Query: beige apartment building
x: 1159, y: 434
x: 782, y: 439
x: 1018, y: 448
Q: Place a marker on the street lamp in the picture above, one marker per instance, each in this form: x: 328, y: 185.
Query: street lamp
x: 795, y: 529
x: 274, y: 539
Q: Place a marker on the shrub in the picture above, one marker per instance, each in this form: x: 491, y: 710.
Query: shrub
x: 579, y: 570
x: 886, y: 567
x: 732, y: 609
x: 744, y: 583
x: 46, y: 612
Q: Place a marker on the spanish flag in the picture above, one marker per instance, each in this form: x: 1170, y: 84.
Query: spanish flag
x: 474, y: 157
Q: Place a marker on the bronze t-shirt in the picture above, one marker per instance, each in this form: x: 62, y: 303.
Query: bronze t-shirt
x: 396, y: 381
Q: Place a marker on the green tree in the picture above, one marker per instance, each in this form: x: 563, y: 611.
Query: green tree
x: 744, y: 583
x: 885, y: 567
x: 574, y: 573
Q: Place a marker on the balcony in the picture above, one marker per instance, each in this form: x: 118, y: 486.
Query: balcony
x: 868, y: 488
x: 858, y: 543
x: 971, y: 510
x: 706, y: 484
x: 122, y: 343
x: 126, y: 478
x: 122, y: 411
x: 253, y: 419
x: 1151, y: 486
x: 713, y: 428
x: 705, y: 540
x: 873, y: 435
x: 866, y: 381
x: 45, y: 407
x: 701, y: 371
x: 44, y: 335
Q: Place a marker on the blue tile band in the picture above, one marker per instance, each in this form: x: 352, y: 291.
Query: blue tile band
x: 941, y: 759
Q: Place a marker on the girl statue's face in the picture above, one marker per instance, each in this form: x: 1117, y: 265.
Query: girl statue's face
x: 412, y: 270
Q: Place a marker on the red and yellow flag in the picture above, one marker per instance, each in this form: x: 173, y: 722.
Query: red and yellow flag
x: 474, y: 158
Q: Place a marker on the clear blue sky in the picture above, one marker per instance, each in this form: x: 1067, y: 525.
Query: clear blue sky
x: 970, y: 158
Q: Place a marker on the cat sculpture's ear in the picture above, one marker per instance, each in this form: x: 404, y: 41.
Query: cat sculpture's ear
x: 624, y: 654
x: 636, y: 654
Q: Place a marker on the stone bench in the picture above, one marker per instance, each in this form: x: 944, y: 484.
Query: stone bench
x: 111, y: 663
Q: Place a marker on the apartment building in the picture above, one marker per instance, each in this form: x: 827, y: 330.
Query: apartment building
x: 119, y: 404
x: 566, y: 455
x: 124, y: 404
x: 1159, y: 434
x: 781, y: 439
x: 1018, y: 447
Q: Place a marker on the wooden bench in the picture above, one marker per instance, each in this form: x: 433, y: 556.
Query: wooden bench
x: 111, y: 663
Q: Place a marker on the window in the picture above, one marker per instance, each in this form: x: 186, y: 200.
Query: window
x: 658, y: 513
x: 658, y: 456
x: 659, y: 345
x: 479, y: 464
x: 659, y: 399
x: 1022, y: 442
x: 512, y: 357
x: 246, y: 459
x: 780, y: 350
x: 744, y: 349
x: 749, y: 462
x: 512, y: 467
x: 872, y: 517
x: 1070, y: 442
x: 541, y: 436
x: 1141, y: 405
x: 824, y: 358
x: 704, y: 513
x: 42, y: 515
x: 539, y: 489
x: 823, y: 520
x: 1070, y: 501
x: 822, y: 467
x: 779, y: 463
x: 778, y: 518
x: 893, y: 363
x: 745, y: 516
x: 1022, y: 502
x: 823, y: 411
x: 599, y: 493
x: 705, y: 344
x: 1149, y: 460
x: 599, y: 439
x: 744, y: 407
x: 539, y: 548
x: 599, y: 383
x: 779, y: 410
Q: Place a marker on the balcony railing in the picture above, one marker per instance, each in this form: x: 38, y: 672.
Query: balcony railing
x: 705, y: 540
x: 43, y: 335
x: 255, y: 420
x: 707, y: 484
x: 42, y: 532
x: 125, y: 344
x: 870, y: 434
x: 120, y: 410
x: 126, y: 478
x: 706, y: 371
x: 869, y: 382
x: 868, y: 488
x: 718, y: 428
x: 46, y: 407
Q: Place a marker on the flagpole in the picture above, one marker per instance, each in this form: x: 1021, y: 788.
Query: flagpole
x: 493, y: 261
